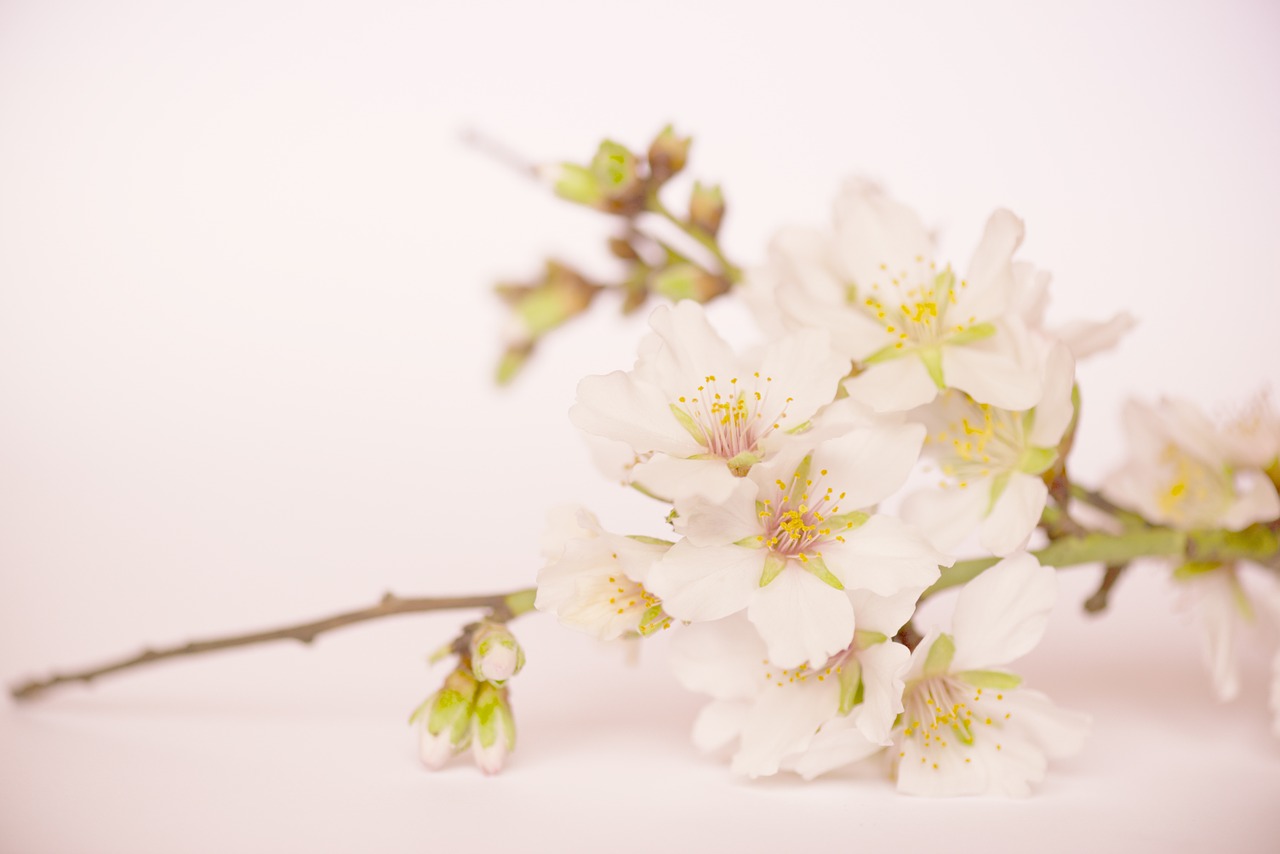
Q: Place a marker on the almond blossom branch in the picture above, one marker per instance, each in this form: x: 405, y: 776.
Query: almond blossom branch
x: 502, y: 607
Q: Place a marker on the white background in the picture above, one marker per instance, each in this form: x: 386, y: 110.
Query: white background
x: 246, y: 336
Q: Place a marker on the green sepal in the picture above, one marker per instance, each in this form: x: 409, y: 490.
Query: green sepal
x: 774, y: 563
x: 963, y: 731
x: 977, y: 332
x: 742, y: 463
x: 845, y: 521
x: 999, y: 484
x: 577, y: 184
x: 942, y: 285
x: 690, y: 426
x: 995, y: 679
x: 864, y: 638
x: 755, y: 541
x: 940, y: 654
x: 800, y: 480
x: 817, y: 567
x: 487, y: 714
x: 422, y: 708
x: 652, y: 620
x: 649, y: 541
x: 448, y: 710
x: 885, y: 354
x: 1192, y: 568
x: 1037, y: 460
x: 521, y: 602
x: 932, y: 359
x: 850, y: 685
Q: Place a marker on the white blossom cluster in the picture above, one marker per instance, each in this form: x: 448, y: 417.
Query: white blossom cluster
x: 787, y: 583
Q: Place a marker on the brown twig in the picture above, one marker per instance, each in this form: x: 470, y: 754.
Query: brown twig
x: 502, y: 607
x: 1098, y: 601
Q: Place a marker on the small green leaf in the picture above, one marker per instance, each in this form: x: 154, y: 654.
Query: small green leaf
x: 997, y: 679
x: 940, y: 654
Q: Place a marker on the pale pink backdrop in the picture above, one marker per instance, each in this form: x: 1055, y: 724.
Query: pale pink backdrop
x: 245, y: 346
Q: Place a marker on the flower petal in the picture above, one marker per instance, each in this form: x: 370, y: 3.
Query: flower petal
x: 782, y: 722
x: 991, y: 376
x: 1015, y: 514
x: 885, y: 556
x: 990, y: 276
x: 868, y: 464
x: 893, y: 386
x: 837, y: 744
x: 801, y: 618
x: 618, y: 406
x: 948, y: 516
x: 706, y: 583
x: 1002, y: 614
x: 720, y: 658
x: 884, y: 667
x: 1054, y: 411
x: 809, y: 372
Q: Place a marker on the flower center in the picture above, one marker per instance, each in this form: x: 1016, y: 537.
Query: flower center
x: 801, y: 515
x: 732, y: 419
x: 942, y: 712
x: 912, y: 305
x: 981, y: 439
x: 1195, y: 494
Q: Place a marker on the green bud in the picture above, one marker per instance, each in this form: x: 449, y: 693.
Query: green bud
x: 444, y: 719
x: 706, y: 208
x: 668, y: 154
x: 496, y: 656
x: 492, y: 727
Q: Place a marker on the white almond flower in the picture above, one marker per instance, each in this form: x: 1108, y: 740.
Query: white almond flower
x: 807, y: 720
x: 696, y: 413
x: 992, y: 460
x: 968, y: 728
x: 795, y: 537
x: 915, y: 327
x: 594, y: 580
x: 1188, y: 473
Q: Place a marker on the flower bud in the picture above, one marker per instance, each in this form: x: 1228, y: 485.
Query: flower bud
x: 668, y: 154
x: 706, y: 208
x: 611, y: 182
x: 493, y: 728
x: 444, y: 719
x: 685, y: 281
x: 496, y: 656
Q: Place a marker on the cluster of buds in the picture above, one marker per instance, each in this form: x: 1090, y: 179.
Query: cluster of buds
x: 472, y: 708
x: 626, y: 185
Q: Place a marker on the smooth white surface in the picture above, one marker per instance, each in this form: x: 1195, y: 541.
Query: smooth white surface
x: 245, y: 346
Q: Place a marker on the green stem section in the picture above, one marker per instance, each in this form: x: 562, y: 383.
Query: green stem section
x: 731, y: 271
x: 1257, y: 543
